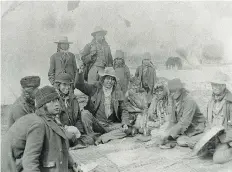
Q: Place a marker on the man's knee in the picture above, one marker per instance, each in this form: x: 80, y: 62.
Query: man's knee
x: 223, y: 154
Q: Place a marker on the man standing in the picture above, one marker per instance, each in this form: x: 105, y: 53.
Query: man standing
x: 25, y: 104
x: 186, y: 121
x: 36, y: 142
x: 219, y: 113
x: 62, y: 61
x: 122, y: 70
x: 106, y: 103
x: 96, y: 56
x: 147, y: 75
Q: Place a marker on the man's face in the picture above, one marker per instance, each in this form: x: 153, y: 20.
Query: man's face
x: 64, y: 88
x: 160, y: 93
x: 53, y: 107
x: 146, y: 61
x: 218, y: 88
x: 31, y: 91
x: 108, y: 82
x: 64, y: 46
x: 135, y: 87
x: 175, y: 93
x: 99, y: 37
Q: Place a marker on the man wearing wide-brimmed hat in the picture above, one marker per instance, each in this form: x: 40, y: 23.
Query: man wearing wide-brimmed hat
x: 96, y: 56
x: 36, y: 142
x: 106, y: 103
x: 147, y: 75
x: 62, y: 61
x: 186, y: 121
x: 25, y: 104
x: 122, y: 70
x: 219, y: 113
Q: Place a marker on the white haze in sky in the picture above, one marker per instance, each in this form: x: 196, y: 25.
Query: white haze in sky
x: 29, y: 31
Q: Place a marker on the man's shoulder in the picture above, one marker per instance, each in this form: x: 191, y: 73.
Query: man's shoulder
x: 30, y: 119
x: 189, y: 100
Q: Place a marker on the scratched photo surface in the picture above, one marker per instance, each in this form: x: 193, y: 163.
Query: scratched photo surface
x: 198, y: 34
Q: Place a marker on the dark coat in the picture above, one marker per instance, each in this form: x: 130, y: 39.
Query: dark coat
x: 123, y: 75
x: 36, y: 144
x: 227, y: 116
x: 57, y: 66
x: 188, y: 120
x: 95, y: 91
x: 18, y: 109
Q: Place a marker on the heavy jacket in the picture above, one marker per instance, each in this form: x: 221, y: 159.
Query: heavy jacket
x: 95, y: 92
x: 151, y: 81
x: 92, y: 55
x: 35, y: 143
x: 227, y: 116
x: 59, y: 65
x: 188, y: 119
x: 123, y: 75
x: 18, y: 109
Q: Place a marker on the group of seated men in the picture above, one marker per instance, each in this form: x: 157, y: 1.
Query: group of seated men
x: 45, y: 122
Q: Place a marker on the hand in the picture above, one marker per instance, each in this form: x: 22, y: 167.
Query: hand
x: 124, y: 127
x: 77, y: 168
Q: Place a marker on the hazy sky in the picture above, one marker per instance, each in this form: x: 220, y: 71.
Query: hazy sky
x: 29, y: 31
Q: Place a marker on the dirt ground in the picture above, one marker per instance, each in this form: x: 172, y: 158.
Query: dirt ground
x: 129, y: 155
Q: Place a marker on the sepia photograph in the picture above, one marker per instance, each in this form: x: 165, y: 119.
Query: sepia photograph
x: 116, y: 86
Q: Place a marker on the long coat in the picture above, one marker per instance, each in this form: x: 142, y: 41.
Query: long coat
x: 227, y: 116
x: 35, y: 143
x: 95, y: 92
x: 123, y: 75
x: 188, y: 119
x: 59, y: 65
x: 152, y: 78
x: 19, y: 109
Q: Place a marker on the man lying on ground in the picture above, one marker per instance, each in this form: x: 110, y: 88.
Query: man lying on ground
x: 106, y: 104
x: 186, y: 121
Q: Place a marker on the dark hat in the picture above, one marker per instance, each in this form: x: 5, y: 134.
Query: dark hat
x: 64, y: 78
x: 175, y: 84
x: 45, y: 95
x: 30, y: 81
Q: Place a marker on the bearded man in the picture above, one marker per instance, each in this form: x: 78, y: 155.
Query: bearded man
x: 106, y: 104
x: 96, y: 56
x: 25, y: 104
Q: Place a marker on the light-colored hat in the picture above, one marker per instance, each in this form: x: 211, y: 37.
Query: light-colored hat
x: 119, y: 54
x: 109, y: 71
x: 98, y: 29
x: 63, y: 40
x: 220, y: 78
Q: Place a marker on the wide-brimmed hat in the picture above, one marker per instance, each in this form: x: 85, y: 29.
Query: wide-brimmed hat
x: 63, y: 40
x: 64, y: 78
x: 30, y: 81
x: 119, y: 54
x: 220, y: 78
x: 45, y: 95
x: 98, y: 29
x: 175, y: 84
x: 109, y: 71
